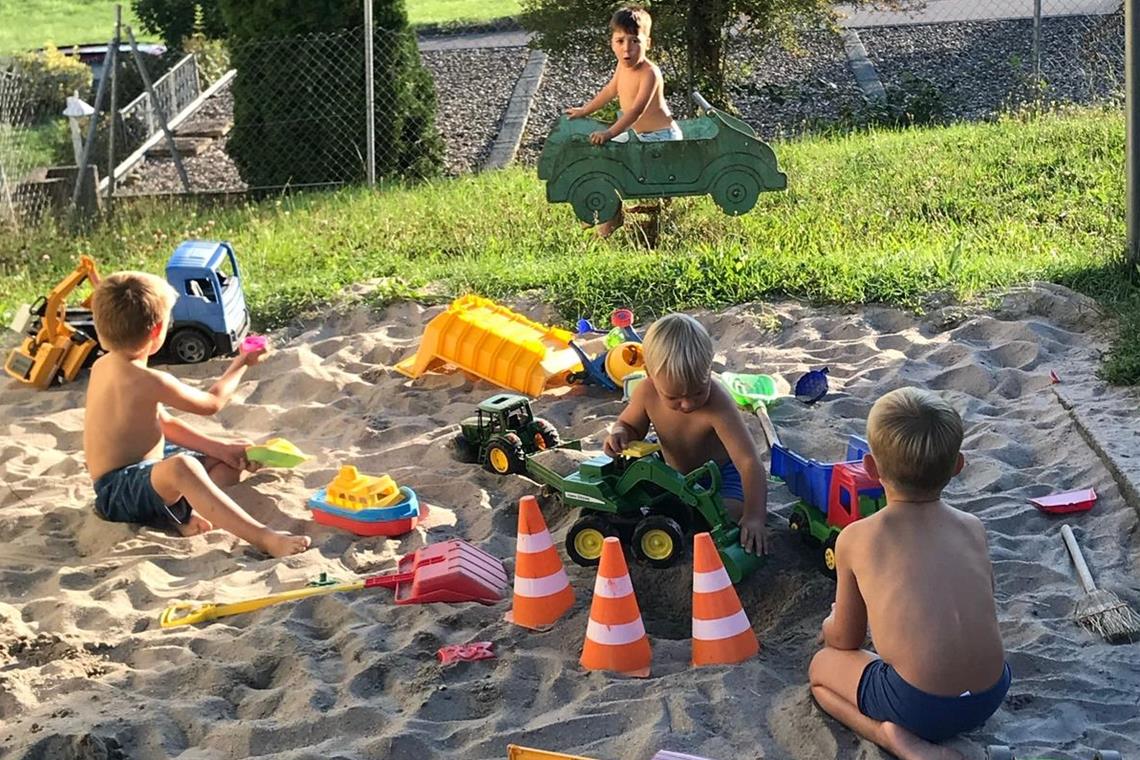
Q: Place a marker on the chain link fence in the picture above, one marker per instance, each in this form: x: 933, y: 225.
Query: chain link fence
x: 20, y: 154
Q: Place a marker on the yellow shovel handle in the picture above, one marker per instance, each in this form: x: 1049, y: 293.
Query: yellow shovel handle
x: 186, y: 613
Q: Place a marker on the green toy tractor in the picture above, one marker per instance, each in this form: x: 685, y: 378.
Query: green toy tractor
x: 720, y: 155
x: 643, y: 501
x: 502, y: 433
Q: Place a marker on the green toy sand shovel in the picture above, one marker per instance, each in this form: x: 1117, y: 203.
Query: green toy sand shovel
x: 276, y: 452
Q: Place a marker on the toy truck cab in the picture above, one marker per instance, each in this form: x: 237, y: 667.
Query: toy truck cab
x: 502, y: 432
x: 720, y: 155
x: 210, y: 317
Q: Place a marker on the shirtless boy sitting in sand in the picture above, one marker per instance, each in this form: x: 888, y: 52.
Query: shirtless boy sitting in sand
x: 696, y: 420
x: 920, y: 573
x: 639, y: 88
x: 126, y: 428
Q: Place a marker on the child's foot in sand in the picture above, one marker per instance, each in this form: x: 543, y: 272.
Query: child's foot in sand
x: 281, y: 544
x: 906, y: 746
x: 195, y: 526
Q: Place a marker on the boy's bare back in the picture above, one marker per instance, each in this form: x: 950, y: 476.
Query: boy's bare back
x: 122, y: 425
x: 924, y: 574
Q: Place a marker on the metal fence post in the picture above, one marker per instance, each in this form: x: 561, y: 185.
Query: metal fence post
x: 1132, y: 122
x: 1036, y: 43
x: 369, y: 95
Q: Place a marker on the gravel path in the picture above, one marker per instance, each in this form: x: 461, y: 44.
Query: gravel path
x: 981, y: 69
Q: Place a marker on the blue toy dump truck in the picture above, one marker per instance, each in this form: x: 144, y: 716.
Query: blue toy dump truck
x: 210, y: 317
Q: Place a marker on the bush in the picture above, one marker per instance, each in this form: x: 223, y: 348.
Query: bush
x: 213, y: 58
x: 51, y: 77
x: 299, y: 100
x: 175, y: 20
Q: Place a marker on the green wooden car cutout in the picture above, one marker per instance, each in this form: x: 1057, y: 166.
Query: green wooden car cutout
x: 719, y: 155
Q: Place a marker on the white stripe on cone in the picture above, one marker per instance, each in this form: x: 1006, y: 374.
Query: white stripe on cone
x: 533, y: 543
x: 615, y: 635
x: 721, y: 628
x: 539, y: 587
x: 613, y: 588
x: 713, y: 580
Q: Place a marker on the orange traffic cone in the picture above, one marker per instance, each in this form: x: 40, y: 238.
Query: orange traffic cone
x: 615, y: 635
x: 722, y: 634
x: 542, y: 590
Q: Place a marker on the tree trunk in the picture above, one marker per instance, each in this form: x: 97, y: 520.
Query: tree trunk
x: 705, y: 44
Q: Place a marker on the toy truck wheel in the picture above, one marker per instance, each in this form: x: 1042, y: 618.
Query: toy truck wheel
x: 190, y: 346
x: 828, y: 555
x: 505, y: 455
x: 464, y: 451
x: 799, y: 523
x: 658, y: 541
x: 998, y: 752
x: 595, y: 199
x: 585, y: 538
x: 736, y: 191
x: 545, y: 435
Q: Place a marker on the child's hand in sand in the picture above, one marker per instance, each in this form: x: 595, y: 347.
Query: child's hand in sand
x: 233, y: 455
x: 754, y: 533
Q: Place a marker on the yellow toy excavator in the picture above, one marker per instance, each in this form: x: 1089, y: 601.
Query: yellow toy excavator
x: 58, y: 341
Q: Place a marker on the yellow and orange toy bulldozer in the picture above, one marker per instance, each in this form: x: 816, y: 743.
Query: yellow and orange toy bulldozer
x: 59, y: 342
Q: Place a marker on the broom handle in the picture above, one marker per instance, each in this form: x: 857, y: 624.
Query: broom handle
x: 1078, y: 559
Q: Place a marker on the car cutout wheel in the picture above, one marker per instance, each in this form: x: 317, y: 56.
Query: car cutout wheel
x: 736, y: 191
x: 595, y: 199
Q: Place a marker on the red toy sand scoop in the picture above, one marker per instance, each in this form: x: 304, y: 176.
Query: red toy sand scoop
x: 450, y: 571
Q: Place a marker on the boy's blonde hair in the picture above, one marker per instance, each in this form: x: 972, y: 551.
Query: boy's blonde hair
x: 127, y: 306
x: 678, y: 349
x: 632, y: 19
x: 915, y: 437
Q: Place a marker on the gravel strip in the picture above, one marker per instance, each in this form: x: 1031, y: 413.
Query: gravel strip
x: 985, y: 67
x: 474, y: 87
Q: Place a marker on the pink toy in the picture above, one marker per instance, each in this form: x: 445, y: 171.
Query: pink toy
x: 1064, y: 503
x: 477, y: 650
x: 254, y: 343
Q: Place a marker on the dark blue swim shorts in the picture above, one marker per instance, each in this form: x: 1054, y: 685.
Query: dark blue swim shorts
x: 126, y: 495
x: 731, y: 485
x: 884, y: 695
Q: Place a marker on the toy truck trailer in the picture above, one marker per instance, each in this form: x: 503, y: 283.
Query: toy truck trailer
x: 832, y: 496
x: 647, y: 504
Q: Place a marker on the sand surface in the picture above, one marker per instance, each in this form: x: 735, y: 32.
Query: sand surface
x: 86, y: 671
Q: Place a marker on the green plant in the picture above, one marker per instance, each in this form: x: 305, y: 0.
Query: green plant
x: 299, y: 96
x: 690, y: 37
x: 175, y: 20
x: 51, y: 76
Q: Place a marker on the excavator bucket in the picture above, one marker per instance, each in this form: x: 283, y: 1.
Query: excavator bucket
x: 515, y: 752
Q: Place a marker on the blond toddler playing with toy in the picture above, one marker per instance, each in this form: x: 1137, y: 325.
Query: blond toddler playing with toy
x: 131, y: 442
x: 696, y: 420
x: 919, y: 572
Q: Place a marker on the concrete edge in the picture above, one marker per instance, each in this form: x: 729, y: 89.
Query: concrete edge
x: 507, y: 142
x: 862, y: 68
x: 1119, y: 471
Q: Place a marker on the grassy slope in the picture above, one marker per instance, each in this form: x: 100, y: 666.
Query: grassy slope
x: 879, y: 217
x: 28, y: 24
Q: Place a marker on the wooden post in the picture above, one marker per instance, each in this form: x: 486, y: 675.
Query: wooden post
x: 114, y: 110
x: 160, y: 110
x: 90, y: 142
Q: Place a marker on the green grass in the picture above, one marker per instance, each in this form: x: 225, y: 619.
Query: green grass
x: 877, y: 217
x: 28, y: 24
x: 451, y: 11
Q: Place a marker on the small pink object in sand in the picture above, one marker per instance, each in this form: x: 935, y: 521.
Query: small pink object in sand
x: 254, y: 343
x: 1053, y: 377
x: 476, y: 650
x: 1064, y: 503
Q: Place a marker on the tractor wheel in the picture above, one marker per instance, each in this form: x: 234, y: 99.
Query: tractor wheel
x: 595, y: 199
x: 998, y: 752
x: 828, y: 556
x: 505, y: 455
x: 736, y: 191
x: 798, y: 523
x: 545, y: 435
x: 464, y: 451
x: 658, y: 541
x: 191, y: 346
x: 585, y: 538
